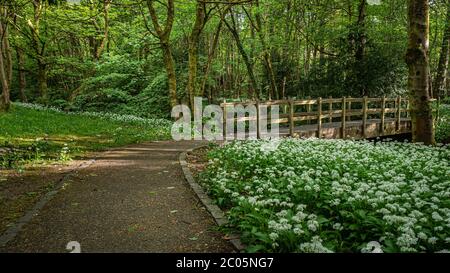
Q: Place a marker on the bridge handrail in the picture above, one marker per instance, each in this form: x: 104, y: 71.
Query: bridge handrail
x: 315, y: 111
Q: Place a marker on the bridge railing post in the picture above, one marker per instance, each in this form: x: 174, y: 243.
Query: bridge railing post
x: 258, y: 121
x: 319, y: 118
x: 364, y: 121
x: 225, y: 119
x: 308, y: 109
x: 349, y: 118
x: 291, y: 117
x: 330, y: 110
x: 343, y: 117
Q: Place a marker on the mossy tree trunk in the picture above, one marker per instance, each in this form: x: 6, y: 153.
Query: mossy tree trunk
x: 4, y: 66
x: 193, y: 51
x: 163, y: 34
x: 419, y: 70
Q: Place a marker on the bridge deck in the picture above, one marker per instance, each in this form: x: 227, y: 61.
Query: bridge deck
x: 353, y: 129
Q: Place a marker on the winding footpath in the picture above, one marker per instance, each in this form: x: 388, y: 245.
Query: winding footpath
x: 132, y: 199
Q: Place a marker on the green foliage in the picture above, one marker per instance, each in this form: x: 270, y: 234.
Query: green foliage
x: 443, y: 123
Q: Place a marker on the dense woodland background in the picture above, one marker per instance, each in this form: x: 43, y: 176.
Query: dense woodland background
x: 139, y: 57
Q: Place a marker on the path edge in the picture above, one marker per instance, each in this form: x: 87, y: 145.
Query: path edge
x: 11, y: 233
x: 217, y: 214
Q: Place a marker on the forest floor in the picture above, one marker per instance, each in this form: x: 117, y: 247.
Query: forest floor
x: 131, y: 199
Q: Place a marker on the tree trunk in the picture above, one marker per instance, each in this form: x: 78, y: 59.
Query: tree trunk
x: 42, y: 81
x: 105, y: 40
x: 21, y: 74
x: 211, y: 54
x: 7, y: 55
x: 442, y: 71
x: 171, y: 75
x: 360, y: 45
x: 5, y: 102
x: 266, y: 54
x: 163, y: 34
x: 419, y: 70
x: 193, y: 51
x: 247, y: 62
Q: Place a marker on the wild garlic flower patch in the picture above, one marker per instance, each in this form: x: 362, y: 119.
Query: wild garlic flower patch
x: 334, y: 195
x: 103, y: 115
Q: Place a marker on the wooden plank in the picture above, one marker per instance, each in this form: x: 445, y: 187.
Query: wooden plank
x: 355, y: 100
x: 349, y: 109
x: 291, y: 118
x: 224, y: 105
x: 308, y: 109
x: 343, y: 117
x: 305, y: 118
x: 275, y: 102
x: 330, y: 110
x: 305, y: 102
x: 383, y: 113
x: 279, y: 121
x: 258, y: 123
x: 319, y: 118
x: 331, y: 100
x: 364, y: 121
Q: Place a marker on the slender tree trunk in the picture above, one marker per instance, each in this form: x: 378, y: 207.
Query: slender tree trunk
x: 7, y: 55
x: 193, y: 51
x: 419, y: 71
x: 39, y: 49
x: 442, y: 71
x: 42, y: 81
x: 266, y: 55
x: 360, y: 45
x: 4, y: 98
x: 21, y: 74
x: 246, y: 59
x: 211, y: 54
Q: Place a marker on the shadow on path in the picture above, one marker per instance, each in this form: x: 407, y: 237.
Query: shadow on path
x: 132, y: 199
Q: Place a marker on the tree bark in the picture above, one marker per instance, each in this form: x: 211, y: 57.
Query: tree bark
x: 211, y: 54
x: 247, y: 62
x: 39, y: 49
x: 5, y: 102
x: 439, y: 85
x: 7, y: 55
x: 418, y: 63
x: 193, y: 51
x: 21, y: 74
x: 163, y: 34
x: 360, y: 45
x: 100, y: 48
x: 266, y: 54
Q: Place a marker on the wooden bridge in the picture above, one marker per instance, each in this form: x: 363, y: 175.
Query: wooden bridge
x: 355, y: 118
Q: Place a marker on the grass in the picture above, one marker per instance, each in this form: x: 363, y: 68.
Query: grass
x: 39, y: 134
x: 316, y: 195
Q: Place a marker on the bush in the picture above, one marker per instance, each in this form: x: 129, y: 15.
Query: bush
x: 333, y: 195
x: 443, y: 124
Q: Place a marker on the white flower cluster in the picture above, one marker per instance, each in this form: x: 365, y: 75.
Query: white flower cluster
x: 339, y: 193
x: 102, y: 115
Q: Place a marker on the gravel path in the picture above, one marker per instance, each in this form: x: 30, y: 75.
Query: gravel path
x: 132, y: 199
